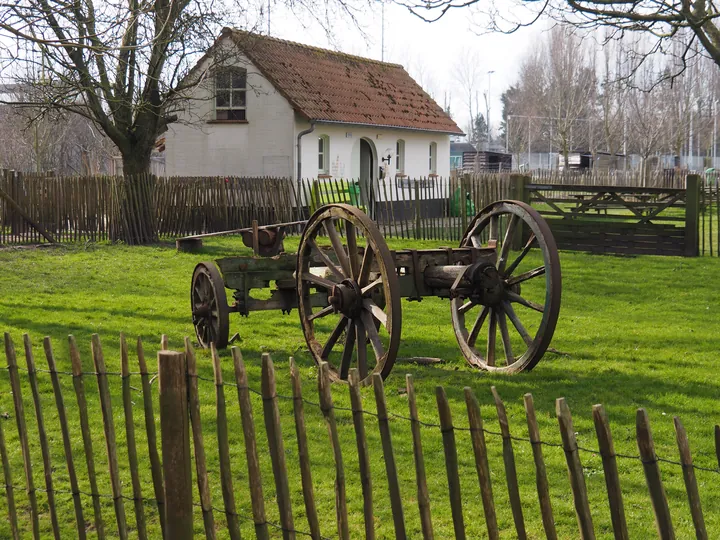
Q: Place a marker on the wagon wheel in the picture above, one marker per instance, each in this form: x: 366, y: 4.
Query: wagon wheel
x: 360, y: 326
x: 210, y: 311
x: 494, y: 296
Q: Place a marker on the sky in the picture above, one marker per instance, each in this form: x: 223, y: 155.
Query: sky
x: 429, y: 51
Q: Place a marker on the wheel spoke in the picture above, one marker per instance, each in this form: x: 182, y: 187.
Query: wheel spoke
x: 336, y: 333
x: 373, y: 335
x: 361, y: 340
x: 322, y: 313
x: 318, y: 280
x: 494, y: 231
x: 337, y: 246
x: 467, y: 306
x: 376, y: 311
x: 490, y: 357
x: 520, y: 257
x: 507, y: 243
x: 367, y: 288
x: 475, y: 240
x: 535, y: 272
x: 351, y: 238
x: 514, y: 297
x: 348, y: 350
x: 366, y: 265
x: 504, y: 334
x: 326, y: 260
x: 475, y: 330
x: 507, y: 306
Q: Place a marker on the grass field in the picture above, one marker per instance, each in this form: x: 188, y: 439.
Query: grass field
x: 636, y: 332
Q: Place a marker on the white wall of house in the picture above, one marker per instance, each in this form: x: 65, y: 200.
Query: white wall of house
x: 344, y: 151
x: 264, y: 146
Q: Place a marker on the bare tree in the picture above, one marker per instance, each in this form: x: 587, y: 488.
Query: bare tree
x: 466, y: 72
x: 661, y: 20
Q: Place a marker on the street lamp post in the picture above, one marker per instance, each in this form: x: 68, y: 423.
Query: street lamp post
x: 487, y: 110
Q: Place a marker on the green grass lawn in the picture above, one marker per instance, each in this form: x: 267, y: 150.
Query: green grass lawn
x: 636, y: 332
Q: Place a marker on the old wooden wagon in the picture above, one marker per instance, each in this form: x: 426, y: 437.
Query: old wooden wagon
x: 503, y: 283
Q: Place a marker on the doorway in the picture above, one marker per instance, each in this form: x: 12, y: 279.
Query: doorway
x: 368, y: 166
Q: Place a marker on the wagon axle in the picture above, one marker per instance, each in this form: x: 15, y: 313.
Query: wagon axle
x: 347, y: 286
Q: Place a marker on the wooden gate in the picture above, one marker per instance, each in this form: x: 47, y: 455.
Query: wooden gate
x: 624, y: 220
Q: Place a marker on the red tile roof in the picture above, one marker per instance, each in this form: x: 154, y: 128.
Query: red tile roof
x: 328, y: 86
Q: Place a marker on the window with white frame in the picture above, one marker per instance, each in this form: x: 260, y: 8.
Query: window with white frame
x: 323, y: 154
x: 433, y: 158
x: 230, y: 94
x: 400, y: 157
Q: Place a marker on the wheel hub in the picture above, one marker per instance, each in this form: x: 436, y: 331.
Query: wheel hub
x: 346, y: 298
x: 487, y: 284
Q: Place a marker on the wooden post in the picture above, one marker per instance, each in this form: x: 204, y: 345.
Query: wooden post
x: 575, y: 471
x: 201, y: 474
x: 540, y: 472
x: 326, y: 405
x: 304, y: 453
x: 612, y: 479
x: 690, y: 481
x: 175, y: 434
x: 388, y: 454
x: 510, y: 470
x: 464, y: 180
x: 418, y: 222
x: 276, y: 446
x: 692, y: 214
x: 22, y: 432
x: 519, y: 192
x: 362, y: 448
x: 646, y: 446
x: 420, y: 478
x: 481, y: 462
x: 451, y: 462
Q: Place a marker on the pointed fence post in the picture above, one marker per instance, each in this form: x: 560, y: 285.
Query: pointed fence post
x: 175, y: 433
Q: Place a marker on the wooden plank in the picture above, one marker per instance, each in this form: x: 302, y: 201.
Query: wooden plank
x: 510, y: 470
x: 304, y: 453
x: 540, y: 471
x: 150, y: 432
x: 612, y: 479
x: 477, y: 434
x: 9, y: 486
x: 226, y: 482
x: 42, y: 435
x: 690, y: 481
x: 276, y: 446
x: 175, y: 434
x: 451, y: 463
x: 326, y: 405
x: 251, y: 454
x: 201, y: 474
x: 389, y: 457
x: 362, y: 448
x: 663, y: 522
x: 130, y: 439
x: 79, y: 386
x: 22, y: 433
x: 575, y: 471
x: 423, y: 496
x: 109, y: 430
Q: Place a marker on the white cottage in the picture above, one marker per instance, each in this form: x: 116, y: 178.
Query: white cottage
x: 278, y: 108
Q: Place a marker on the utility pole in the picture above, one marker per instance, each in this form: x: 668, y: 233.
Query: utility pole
x: 488, y: 96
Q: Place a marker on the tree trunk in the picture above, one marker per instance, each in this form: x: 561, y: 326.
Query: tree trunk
x: 134, y: 191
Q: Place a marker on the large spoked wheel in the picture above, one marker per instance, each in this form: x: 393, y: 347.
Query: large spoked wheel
x: 348, y: 296
x: 504, y: 312
x: 210, y: 311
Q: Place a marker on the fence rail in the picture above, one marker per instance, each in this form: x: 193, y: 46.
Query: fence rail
x: 170, y: 510
x: 38, y: 209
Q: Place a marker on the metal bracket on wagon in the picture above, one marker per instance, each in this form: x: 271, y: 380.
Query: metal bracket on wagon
x: 504, y: 283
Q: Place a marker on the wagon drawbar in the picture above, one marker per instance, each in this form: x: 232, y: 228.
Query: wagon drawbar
x: 503, y: 282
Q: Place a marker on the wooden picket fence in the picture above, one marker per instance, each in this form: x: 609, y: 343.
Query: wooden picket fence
x: 170, y: 510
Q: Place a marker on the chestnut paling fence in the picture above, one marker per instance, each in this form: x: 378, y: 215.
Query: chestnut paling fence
x: 41, y: 209
x: 178, y: 495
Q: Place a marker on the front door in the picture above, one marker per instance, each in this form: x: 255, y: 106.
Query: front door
x: 367, y: 176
